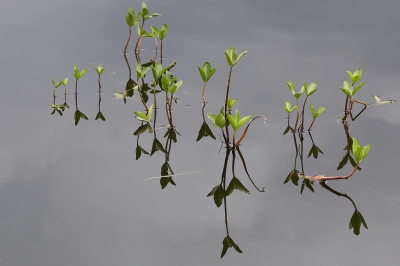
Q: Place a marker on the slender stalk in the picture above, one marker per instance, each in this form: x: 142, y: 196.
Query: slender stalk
x: 298, y: 115
x: 245, y: 131
x: 54, y: 92
x: 155, y: 39
x: 226, y: 104
x: 99, y: 84
x: 139, y: 41
x: 204, y: 88
x: 302, y: 114
x: 311, y: 124
x: 154, y: 92
x: 325, y: 178
x: 141, y: 97
x: 337, y: 193
x: 76, y: 87
x: 161, y: 57
x: 245, y: 168
x: 129, y: 37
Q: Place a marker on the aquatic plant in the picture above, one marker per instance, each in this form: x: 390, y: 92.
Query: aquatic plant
x: 65, y: 82
x: 143, y: 117
x: 131, y: 20
x: 223, y: 119
x: 315, y: 114
x: 78, y: 75
x: 99, y: 69
x: 140, y: 73
x: 144, y: 15
x: 56, y: 85
x: 206, y: 73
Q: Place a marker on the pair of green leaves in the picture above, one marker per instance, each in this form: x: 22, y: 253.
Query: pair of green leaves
x: 56, y: 85
x: 360, y: 152
x: 131, y: 19
x: 160, y: 33
x: 78, y: 115
x: 143, y: 117
x: 288, y: 107
x: 204, y: 132
x: 355, y: 76
x: 206, y: 72
x: 169, y: 84
x: 219, y: 193
x: 158, y: 71
x: 78, y: 74
x: 317, y: 113
x: 218, y: 120
x: 228, y: 243
x: 237, y: 122
x: 355, y: 222
x: 101, y: 116
x: 145, y: 12
x: 308, y: 88
x: 232, y: 57
x: 349, y: 90
x: 99, y: 69
x: 231, y: 103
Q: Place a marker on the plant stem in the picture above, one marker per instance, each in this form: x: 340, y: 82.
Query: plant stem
x: 302, y: 114
x: 204, y: 88
x: 298, y: 115
x: 99, y: 84
x: 76, y: 87
x: 320, y: 178
x: 311, y: 125
x: 226, y: 104
x: 161, y: 57
x: 129, y: 37
x: 141, y: 97
x: 245, y: 168
x: 245, y: 131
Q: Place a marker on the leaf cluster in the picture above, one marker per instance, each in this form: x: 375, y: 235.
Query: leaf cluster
x: 360, y: 152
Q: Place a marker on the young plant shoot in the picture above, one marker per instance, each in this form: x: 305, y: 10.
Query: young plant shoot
x: 78, y: 75
x: 140, y: 73
x: 359, y: 154
x: 56, y: 85
x: 131, y: 20
x: 143, y: 117
x: 206, y: 73
x: 65, y: 82
x: 158, y: 71
x: 99, y: 69
x: 297, y: 96
x: 144, y: 14
x: 315, y: 114
x: 289, y: 109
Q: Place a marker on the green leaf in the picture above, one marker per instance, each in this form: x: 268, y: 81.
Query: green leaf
x: 231, y: 103
x: 236, y: 184
x: 243, y: 120
x: 219, y: 196
x: 360, y: 152
x: 157, y: 71
x: 288, y: 129
x: 311, y: 88
x: 130, y: 17
x: 231, y: 56
x: 343, y: 162
x: 140, y: 130
x: 56, y: 85
x: 141, y: 116
x: 293, y: 176
x: 100, y: 115
x: 220, y: 120
x: 202, y: 74
x: 157, y: 146
x: 358, y: 87
x: 145, y: 11
x: 212, y: 118
x: 99, y: 69
x: 163, y: 32
x: 355, y: 222
x: 174, y: 88
x: 65, y: 82
x: 213, y: 190
x: 291, y: 87
x: 139, y: 151
x: 314, y: 151
x: 150, y: 112
x: 288, y: 107
x: 204, y: 132
x: 228, y: 243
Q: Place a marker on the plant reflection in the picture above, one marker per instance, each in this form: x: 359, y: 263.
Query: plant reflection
x: 308, y: 181
x: 356, y: 219
x: 78, y: 114
x: 221, y: 191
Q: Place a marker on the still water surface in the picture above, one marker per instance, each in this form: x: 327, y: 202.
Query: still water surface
x: 76, y: 195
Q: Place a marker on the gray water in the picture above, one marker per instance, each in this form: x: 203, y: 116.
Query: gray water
x: 75, y: 195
